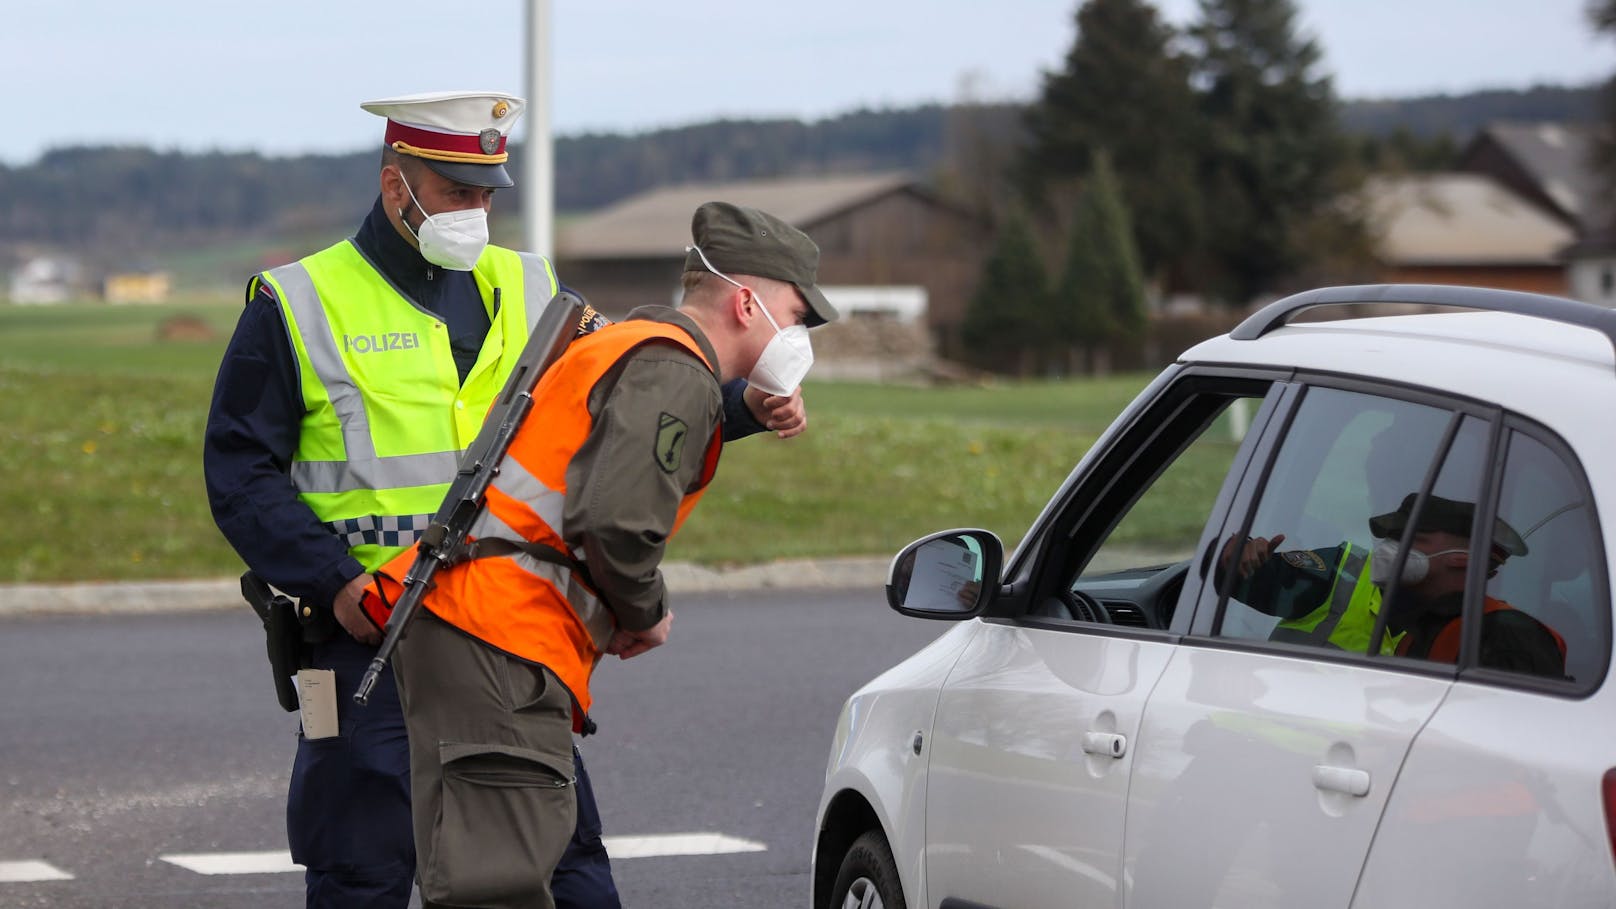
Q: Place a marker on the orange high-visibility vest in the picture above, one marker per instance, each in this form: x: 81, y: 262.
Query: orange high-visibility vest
x: 541, y: 608
x: 1445, y: 648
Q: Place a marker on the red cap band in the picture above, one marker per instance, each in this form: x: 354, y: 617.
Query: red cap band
x: 436, y: 141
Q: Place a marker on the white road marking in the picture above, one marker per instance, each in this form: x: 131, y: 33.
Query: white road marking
x: 29, y: 871
x: 275, y: 861
x: 278, y: 861
x: 627, y: 847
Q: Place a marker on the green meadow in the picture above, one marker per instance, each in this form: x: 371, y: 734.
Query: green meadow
x: 102, y: 410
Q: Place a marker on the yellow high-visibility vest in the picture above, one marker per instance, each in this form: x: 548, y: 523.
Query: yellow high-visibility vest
x: 385, y: 414
x: 1347, y: 616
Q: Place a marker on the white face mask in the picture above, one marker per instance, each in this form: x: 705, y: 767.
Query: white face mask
x: 786, y: 359
x: 1415, y: 567
x: 450, y: 239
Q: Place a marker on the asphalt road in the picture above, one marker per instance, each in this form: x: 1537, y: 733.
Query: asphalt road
x: 128, y: 739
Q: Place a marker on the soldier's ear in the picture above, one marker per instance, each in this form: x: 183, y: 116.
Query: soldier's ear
x: 740, y: 305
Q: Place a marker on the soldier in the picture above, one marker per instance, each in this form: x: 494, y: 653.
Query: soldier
x: 621, y: 442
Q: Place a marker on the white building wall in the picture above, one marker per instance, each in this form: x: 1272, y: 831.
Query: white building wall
x: 1593, y: 279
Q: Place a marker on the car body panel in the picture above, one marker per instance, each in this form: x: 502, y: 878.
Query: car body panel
x: 1499, y: 799
x: 1227, y: 806
x: 874, y: 758
x: 1023, y: 806
x: 1449, y: 351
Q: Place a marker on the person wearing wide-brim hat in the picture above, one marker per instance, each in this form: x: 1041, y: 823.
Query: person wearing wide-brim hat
x: 353, y: 380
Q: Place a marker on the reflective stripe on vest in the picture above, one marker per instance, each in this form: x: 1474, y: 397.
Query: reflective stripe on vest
x: 527, y: 606
x: 374, y: 467
x: 1346, y: 618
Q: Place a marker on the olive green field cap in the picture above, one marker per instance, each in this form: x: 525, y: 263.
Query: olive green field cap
x: 1442, y: 515
x: 739, y: 240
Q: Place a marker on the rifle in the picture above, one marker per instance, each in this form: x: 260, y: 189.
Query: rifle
x: 444, y: 542
x: 282, y: 634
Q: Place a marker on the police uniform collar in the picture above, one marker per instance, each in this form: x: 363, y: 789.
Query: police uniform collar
x: 399, y: 262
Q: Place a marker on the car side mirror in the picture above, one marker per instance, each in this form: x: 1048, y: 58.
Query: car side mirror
x: 950, y: 575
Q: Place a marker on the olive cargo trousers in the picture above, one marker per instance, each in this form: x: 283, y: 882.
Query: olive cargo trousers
x: 491, y: 769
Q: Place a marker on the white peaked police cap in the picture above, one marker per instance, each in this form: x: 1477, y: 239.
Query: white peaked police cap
x: 460, y: 135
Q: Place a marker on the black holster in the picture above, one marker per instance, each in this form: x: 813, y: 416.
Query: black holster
x: 283, y: 635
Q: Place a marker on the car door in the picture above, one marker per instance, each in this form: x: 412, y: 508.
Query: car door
x: 1031, y: 750
x: 1267, y: 750
x: 1498, y: 796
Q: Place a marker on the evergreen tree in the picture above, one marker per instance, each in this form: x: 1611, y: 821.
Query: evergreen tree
x: 1126, y: 91
x: 1005, y: 320
x: 1275, y: 158
x: 1100, y: 301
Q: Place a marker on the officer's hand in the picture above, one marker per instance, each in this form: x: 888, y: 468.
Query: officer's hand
x: 1257, y: 551
x: 353, y: 619
x: 628, y: 644
x: 785, y: 414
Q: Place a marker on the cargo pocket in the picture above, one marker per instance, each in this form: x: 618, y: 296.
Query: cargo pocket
x: 505, y: 816
x: 535, y: 692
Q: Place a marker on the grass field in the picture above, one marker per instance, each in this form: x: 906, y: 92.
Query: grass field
x: 100, y: 445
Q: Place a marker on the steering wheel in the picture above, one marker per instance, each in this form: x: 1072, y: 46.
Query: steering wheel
x: 1082, y: 607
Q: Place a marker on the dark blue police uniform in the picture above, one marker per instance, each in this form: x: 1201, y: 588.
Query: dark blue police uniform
x: 348, y: 811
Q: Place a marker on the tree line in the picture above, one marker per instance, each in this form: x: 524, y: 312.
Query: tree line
x: 118, y: 203
x: 1214, y: 160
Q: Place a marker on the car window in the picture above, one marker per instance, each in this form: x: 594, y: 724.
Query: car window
x: 1344, y: 486
x: 1132, y: 573
x: 1554, y: 586
x: 1357, y: 544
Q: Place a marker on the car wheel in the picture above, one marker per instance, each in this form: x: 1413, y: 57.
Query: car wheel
x: 868, y: 878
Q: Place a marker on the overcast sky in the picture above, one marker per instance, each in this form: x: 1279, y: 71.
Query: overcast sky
x: 286, y: 76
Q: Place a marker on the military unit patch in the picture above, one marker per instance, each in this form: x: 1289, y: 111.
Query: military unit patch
x: 670, y: 442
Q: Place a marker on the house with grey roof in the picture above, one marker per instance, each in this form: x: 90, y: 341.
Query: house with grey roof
x: 891, y: 251
x: 1551, y: 165
x: 1547, y: 163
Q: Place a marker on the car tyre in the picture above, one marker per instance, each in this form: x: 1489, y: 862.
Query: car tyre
x: 868, y: 878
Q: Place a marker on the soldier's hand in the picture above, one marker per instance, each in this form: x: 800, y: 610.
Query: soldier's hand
x: 786, y: 415
x: 353, y: 619
x: 628, y: 644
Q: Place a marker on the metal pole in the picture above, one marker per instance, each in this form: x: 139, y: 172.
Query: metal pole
x: 538, y: 150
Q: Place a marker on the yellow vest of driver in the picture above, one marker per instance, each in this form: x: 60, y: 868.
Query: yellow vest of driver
x: 385, y: 414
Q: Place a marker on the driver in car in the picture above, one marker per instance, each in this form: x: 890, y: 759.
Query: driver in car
x: 1332, y: 597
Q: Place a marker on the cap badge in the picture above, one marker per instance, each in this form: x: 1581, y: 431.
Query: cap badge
x: 501, y: 108
x: 488, y: 141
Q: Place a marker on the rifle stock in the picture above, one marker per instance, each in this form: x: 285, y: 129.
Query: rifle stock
x: 565, y: 317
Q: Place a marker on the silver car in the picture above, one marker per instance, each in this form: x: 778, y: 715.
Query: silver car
x: 1323, y: 619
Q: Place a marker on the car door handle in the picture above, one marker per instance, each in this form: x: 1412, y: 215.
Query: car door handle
x: 1349, y: 780
x: 1106, y: 744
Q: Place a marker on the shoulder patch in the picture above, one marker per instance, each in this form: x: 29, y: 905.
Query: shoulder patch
x: 1305, y: 559
x: 670, y: 442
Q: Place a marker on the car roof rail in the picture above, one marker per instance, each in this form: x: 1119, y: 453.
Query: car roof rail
x: 1541, y: 306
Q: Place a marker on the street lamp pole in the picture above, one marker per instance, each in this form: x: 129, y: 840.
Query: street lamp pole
x: 538, y: 150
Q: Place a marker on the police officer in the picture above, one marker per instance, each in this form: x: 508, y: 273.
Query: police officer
x: 1331, y: 597
x: 621, y: 443
x: 353, y: 380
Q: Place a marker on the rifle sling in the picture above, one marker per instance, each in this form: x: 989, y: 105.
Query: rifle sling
x: 493, y: 547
